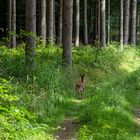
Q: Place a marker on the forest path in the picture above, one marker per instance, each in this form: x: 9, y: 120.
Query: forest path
x: 137, y: 120
x: 70, y: 126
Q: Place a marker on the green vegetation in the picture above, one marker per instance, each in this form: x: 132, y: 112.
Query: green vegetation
x: 32, y: 106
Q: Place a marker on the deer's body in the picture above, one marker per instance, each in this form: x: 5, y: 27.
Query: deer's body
x: 80, y: 86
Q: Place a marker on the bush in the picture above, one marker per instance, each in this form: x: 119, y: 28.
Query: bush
x: 16, y: 122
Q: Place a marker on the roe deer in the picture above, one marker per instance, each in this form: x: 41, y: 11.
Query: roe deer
x: 80, y: 86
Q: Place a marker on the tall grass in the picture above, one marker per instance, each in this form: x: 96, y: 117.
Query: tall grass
x: 112, y: 89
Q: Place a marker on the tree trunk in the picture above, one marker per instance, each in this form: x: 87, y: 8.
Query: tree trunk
x: 126, y: 20
x: 138, y: 24
x: 85, y: 23
x: 133, y: 22
x: 50, y: 21
x: 103, y: 28
x: 43, y: 20
x: 121, y: 24
x: 99, y: 21
x: 67, y: 32
x: 95, y: 22
x: 108, y: 22
x: 12, y: 23
x: 54, y: 23
x: 30, y: 23
x: 59, y: 38
x: 38, y: 17
x: 77, y: 28
x: 9, y: 21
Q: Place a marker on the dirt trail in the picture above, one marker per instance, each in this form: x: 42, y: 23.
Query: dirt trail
x: 68, y: 130
x: 71, y: 124
x: 137, y: 113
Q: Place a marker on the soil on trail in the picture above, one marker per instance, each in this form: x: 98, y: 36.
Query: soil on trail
x: 68, y: 130
x: 137, y: 113
x: 70, y: 125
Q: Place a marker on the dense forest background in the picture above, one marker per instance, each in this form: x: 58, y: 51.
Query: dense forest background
x: 69, y: 69
x: 112, y: 18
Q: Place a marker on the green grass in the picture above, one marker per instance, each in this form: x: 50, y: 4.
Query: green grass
x: 111, y: 94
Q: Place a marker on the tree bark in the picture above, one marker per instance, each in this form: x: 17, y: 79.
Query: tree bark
x: 95, y: 21
x: 108, y: 22
x: 50, y: 21
x: 121, y: 24
x: 126, y: 21
x: 38, y: 17
x: 30, y: 23
x: 54, y: 23
x: 133, y: 22
x: 138, y: 24
x: 59, y: 38
x: 77, y: 28
x: 43, y: 20
x: 85, y: 23
x: 67, y: 32
x: 99, y: 21
x: 12, y: 23
x: 9, y: 21
x: 103, y: 19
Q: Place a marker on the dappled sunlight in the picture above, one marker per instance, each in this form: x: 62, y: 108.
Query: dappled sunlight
x: 69, y: 70
x: 125, y: 67
x: 76, y: 101
x: 111, y: 88
x: 130, y: 64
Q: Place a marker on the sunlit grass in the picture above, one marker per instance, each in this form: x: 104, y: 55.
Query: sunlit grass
x: 112, y: 89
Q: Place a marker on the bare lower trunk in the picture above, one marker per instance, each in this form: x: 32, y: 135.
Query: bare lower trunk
x: 108, y: 22
x: 121, y: 24
x: 54, y: 23
x: 85, y: 23
x: 103, y: 19
x: 43, y: 19
x: 126, y: 20
x: 77, y: 23
x: 59, y: 38
x: 99, y: 21
x: 9, y: 21
x: 138, y: 25
x: 50, y: 21
x: 94, y: 22
x: 12, y: 23
x: 67, y: 32
x: 133, y: 22
x: 30, y: 23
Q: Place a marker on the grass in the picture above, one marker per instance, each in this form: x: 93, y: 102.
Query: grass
x: 111, y: 94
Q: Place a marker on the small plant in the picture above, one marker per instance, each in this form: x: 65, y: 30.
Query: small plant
x: 15, y: 121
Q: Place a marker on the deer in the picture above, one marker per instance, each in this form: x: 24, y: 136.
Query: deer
x: 80, y: 86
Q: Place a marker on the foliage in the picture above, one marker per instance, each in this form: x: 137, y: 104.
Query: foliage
x: 15, y: 121
x: 107, y: 114
x: 36, y: 103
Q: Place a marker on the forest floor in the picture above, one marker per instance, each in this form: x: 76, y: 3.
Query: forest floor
x: 110, y: 108
x: 137, y: 120
x: 68, y: 130
x: 137, y: 117
x: 71, y: 124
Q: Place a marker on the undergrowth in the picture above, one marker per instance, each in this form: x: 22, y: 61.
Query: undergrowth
x: 34, y: 104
